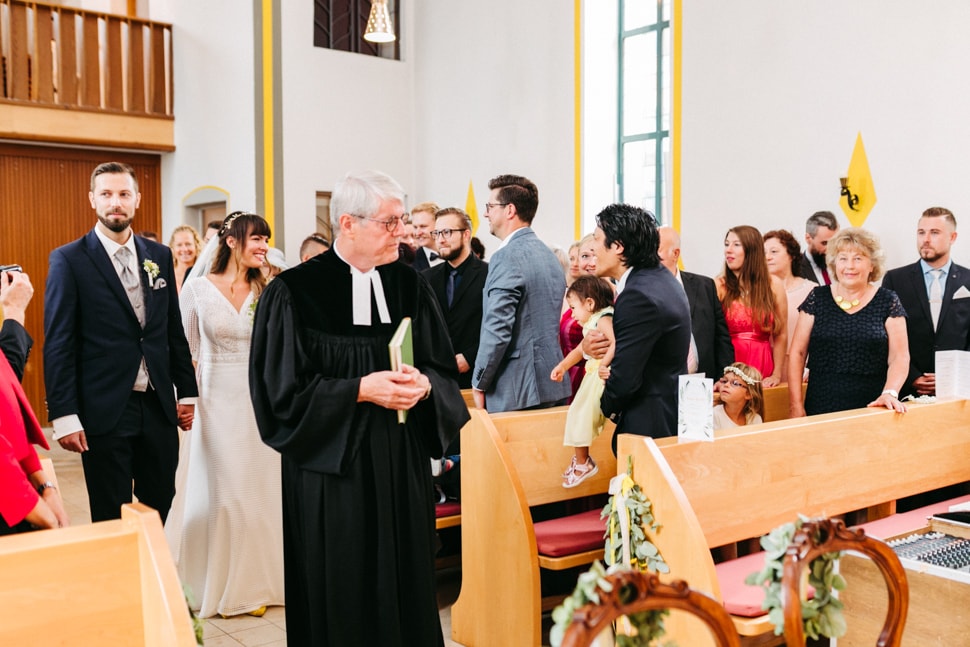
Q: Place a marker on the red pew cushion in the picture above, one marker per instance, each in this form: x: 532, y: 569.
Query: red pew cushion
x: 447, y: 509
x: 569, y: 535
x: 741, y: 599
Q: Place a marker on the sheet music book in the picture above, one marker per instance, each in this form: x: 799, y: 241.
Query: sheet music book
x: 952, y: 375
x: 695, y: 407
x: 401, y: 348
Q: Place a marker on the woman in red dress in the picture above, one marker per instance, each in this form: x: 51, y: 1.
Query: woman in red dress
x: 755, y: 304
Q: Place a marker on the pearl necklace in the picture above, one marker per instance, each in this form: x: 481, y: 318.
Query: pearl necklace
x: 846, y: 304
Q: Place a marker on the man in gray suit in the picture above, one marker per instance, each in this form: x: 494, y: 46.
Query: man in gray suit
x: 519, y: 342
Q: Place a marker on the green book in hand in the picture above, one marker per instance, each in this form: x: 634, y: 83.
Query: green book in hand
x: 401, y: 348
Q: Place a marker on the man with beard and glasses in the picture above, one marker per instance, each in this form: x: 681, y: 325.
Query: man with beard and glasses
x: 935, y: 292
x: 458, y: 285
x: 115, y: 353
x: 819, y: 227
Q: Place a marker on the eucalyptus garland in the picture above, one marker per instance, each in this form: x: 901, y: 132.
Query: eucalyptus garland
x: 648, y: 625
x: 822, y: 615
x: 629, y: 508
x: 629, y: 500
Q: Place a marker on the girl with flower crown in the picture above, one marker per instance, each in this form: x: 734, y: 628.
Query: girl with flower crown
x: 742, y: 401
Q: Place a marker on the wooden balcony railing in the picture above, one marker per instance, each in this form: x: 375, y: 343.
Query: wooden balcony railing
x: 55, y: 56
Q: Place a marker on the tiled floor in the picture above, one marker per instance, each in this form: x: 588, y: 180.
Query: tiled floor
x: 247, y: 631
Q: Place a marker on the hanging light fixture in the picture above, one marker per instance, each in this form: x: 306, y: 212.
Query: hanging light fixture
x: 379, y: 27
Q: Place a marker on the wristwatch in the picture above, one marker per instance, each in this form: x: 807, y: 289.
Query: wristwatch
x: 43, y: 486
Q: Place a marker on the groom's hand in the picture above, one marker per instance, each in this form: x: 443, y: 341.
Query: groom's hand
x: 76, y: 442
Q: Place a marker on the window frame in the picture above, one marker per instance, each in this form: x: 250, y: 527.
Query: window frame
x: 659, y: 135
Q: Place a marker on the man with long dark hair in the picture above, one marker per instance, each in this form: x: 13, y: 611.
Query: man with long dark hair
x: 651, y: 324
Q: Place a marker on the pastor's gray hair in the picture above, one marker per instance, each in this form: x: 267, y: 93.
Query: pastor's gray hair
x: 360, y: 194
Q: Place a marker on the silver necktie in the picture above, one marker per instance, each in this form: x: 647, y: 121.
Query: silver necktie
x: 131, y: 283
x: 936, y: 296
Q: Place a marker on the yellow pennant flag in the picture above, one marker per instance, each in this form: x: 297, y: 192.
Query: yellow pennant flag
x: 470, y: 207
x: 858, y: 192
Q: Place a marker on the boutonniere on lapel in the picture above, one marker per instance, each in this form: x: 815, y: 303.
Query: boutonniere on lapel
x: 151, y: 269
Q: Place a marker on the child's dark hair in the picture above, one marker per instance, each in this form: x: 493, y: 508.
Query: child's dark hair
x: 592, y: 287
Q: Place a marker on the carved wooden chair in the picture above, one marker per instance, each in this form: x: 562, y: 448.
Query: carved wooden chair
x: 633, y: 592
x: 820, y: 536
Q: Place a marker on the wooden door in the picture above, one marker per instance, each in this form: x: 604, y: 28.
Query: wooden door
x: 44, y: 205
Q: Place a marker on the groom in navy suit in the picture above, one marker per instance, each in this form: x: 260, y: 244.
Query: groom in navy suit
x: 115, y: 354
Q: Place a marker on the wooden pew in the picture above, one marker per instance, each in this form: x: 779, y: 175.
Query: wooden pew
x: 752, y: 479
x: 776, y: 402
x: 511, y: 462
x: 108, y: 583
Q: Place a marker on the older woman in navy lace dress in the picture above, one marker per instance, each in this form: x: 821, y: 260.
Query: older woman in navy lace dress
x: 853, y: 333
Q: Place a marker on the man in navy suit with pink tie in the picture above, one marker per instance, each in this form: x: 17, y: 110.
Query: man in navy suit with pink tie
x: 115, y: 354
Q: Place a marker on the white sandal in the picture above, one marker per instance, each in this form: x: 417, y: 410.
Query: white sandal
x: 574, y: 476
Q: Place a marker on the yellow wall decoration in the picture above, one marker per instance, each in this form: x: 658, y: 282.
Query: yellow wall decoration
x: 859, y: 183
x: 471, y: 208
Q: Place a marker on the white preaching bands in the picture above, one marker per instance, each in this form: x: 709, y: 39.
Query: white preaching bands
x: 362, y: 284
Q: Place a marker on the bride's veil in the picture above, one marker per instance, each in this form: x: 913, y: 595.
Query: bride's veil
x: 203, y: 264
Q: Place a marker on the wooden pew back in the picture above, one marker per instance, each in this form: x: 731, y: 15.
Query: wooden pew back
x: 533, y: 440
x: 511, y: 461
x: 752, y: 479
x: 111, y: 582
x: 776, y: 402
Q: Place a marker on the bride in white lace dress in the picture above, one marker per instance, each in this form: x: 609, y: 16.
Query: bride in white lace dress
x: 225, y: 528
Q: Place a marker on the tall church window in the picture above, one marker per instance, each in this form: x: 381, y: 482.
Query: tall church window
x: 643, y: 119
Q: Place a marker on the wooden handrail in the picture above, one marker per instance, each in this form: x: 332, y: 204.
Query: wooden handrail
x: 73, y: 58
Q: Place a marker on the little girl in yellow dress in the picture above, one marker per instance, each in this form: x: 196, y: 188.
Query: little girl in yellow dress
x: 591, y: 300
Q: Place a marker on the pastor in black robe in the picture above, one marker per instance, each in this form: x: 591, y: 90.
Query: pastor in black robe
x: 358, y: 512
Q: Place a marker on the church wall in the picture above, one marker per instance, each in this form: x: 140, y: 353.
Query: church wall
x: 341, y: 112
x: 774, y: 95
x: 214, y: 104
x: 493, y: 94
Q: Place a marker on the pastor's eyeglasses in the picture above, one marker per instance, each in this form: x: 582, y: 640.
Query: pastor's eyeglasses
x: 390, y: 224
